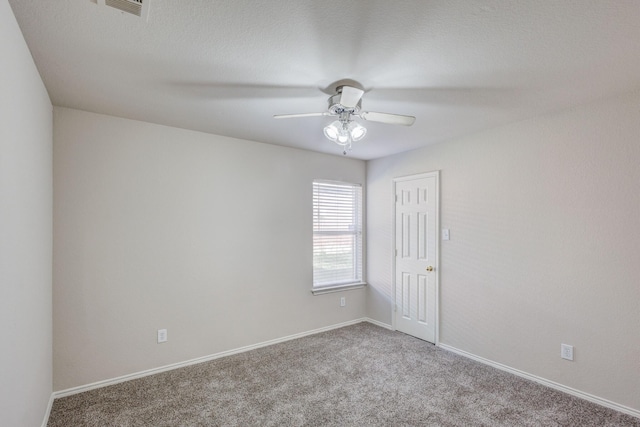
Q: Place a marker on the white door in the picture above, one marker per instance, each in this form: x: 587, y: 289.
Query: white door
x: 416, y: 257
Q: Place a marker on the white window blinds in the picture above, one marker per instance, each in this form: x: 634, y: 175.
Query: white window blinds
x: 337, y: 233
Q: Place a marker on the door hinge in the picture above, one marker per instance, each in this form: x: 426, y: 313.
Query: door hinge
x: 396, y: 198
x: 395, y: 307
x: 396, y: 252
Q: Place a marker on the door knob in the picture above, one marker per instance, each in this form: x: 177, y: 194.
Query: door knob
x: 430, y: 268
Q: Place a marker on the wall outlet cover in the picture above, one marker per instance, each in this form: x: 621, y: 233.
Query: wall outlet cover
x: 162, y: 335
x: 566, y: 351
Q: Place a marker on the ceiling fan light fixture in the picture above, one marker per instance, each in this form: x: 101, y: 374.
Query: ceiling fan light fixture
x: 357, y: 131
x: 343, y: 139
x: 343, y: 132
x: 332, y: 131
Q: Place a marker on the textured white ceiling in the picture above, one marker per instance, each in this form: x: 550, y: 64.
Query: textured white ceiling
x: 226, y: 67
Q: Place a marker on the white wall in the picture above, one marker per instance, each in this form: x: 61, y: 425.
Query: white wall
x: 159, y: 227
x: 25, y: 232
x: 545, y: 244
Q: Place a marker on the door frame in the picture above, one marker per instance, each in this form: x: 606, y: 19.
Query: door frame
x: 436, y: 175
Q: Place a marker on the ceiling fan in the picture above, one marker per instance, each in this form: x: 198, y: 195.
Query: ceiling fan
x: 345, y: 105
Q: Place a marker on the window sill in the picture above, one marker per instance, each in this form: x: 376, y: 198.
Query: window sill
x: 337, y: 288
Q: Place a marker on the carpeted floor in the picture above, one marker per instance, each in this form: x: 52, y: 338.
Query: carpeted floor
x: 360, y: 375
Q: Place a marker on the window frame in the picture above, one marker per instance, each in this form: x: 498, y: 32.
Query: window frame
x: 358, y: 263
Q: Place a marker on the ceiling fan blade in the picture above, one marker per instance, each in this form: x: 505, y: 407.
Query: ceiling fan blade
x: 289, y: 116
x: 392, y: 119
x: 350, y: 96
x: 223, y: 91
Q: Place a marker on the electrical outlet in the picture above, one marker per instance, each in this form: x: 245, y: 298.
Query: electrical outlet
x: 566, y: 351
x: 445, y: 234
x: 343, y: 301
x: 162, y: 335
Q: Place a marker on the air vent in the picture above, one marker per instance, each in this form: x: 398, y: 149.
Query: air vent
x: 135, y: 7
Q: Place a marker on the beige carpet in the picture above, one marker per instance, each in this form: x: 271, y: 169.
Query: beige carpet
x: 360, y: 375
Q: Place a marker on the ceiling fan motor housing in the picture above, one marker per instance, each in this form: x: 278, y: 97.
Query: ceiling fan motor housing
x: 335, y: 108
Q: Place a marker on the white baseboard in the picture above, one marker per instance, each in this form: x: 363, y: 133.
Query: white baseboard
x: 48, y: 412
x: 545, y: 382
x: 123, y: 378
x: 378, y: 323
x: 540, y: 380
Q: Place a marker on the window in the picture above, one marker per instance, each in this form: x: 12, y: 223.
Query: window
x: 337, y: 235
